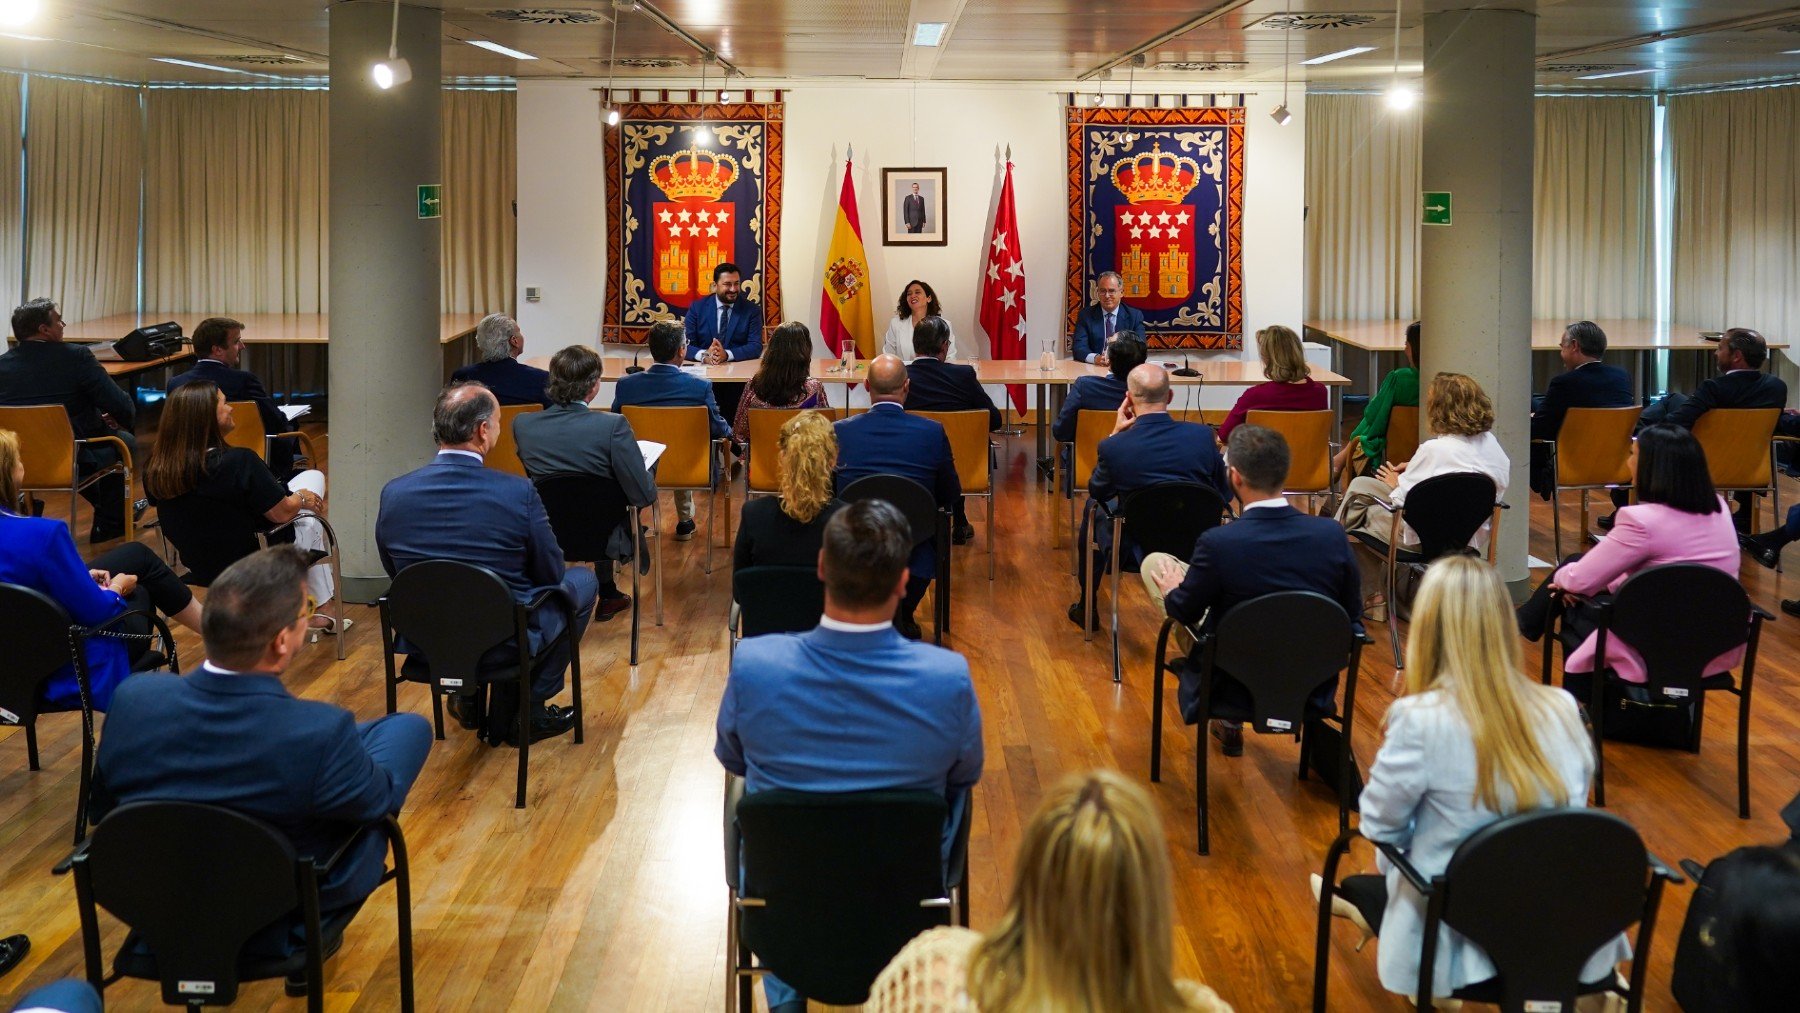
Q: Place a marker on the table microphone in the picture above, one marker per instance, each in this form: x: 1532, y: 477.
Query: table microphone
x: 1186, y: 370
x: 634, y: 367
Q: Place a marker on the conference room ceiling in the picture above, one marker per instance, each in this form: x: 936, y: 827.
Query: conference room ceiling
x: 1642, y: 46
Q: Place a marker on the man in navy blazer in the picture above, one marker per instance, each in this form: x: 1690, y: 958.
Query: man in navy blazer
x: 1586, y: 382
x: 457, y: 508
x: 1270, y: 547
x: 664, y: 385
x: 1098, y: 323
x: 1102, y: 392
x: 500, y: 343
x: 230, y: 734
x: 1148, y: 446
x: 936, y: 385
x: 885, y: 440
x: 219, y: 345
x: 852, y: 705
x: 725, y: 326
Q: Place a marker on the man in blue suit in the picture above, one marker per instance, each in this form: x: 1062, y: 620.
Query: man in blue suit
x: 664, y: 385
x: 1105, y: 392
x: 885, y: 440
x: 852, y: 705
x: 230, y: 734
x: 1270, y: 547
x: 1586, y: 382
x: 1148, y: 446
x: 456, y: 508
x: 724, y: 327
x: 500, y: 343
x: 1097, y: 324
x: 219, y: 346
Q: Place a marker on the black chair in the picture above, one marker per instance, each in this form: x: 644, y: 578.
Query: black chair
x: 1678, y: 617
x: 584, y: 512
x: 774, y: 599
x: 1539, y: 892
x: 1167, y: 517
x: 456, y: 613
x: 1445, y: 511
x: 194, y: 883
x: 831, y: 886
x: 1280, y: 672
x: 39, y: 638
x: 929, y: 524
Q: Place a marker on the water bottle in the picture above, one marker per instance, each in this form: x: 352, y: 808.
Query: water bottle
x: 1047, y: 361
x: 848, y: 362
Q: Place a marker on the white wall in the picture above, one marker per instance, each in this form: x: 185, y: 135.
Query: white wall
x: 963, y: 127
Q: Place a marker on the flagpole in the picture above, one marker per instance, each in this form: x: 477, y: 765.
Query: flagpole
x: 1009, y: 430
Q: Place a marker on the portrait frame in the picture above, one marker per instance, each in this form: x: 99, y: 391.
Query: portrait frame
x: 896, y: 186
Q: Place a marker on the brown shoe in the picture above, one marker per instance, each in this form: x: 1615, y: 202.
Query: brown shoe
x: 606, y: 608
x: 1230, y: 735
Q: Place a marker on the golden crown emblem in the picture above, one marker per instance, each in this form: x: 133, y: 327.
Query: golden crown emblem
x: 1143, y: 179
x: 692, y: 173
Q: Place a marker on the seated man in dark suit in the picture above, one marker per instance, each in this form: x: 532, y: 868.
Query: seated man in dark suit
x: 500, y: 343
x: 1270, y: 547
x: 455, y: 508
x: 1099, y: 323
x: 936, y: 385
x: 219, y: 346
x: 664, y: 385
x: 229, y: 734
x: 1148, y: 446
x: 568, y: 437
x: 885, y: 440
x: 852, y: 706
x: 42, y: 370
x: 1586, y: 382
x: 1106, y: 392
x: 1741, y: 383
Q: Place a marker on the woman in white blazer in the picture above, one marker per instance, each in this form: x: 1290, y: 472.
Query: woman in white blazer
x: 1471, y: 740
x: 917, y: 301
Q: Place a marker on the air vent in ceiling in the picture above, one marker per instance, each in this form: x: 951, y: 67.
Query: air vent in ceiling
x: 1316, y: 22
x: 646, y: 62
x: 256, y: 59
x: 1580, y: 68
x: 546, y: 16
x: 1201, y: 66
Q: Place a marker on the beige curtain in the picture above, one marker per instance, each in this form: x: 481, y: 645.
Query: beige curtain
x: 1362, y: 221
x: 82, y: 177
x: 1593, y: 219
x: 1736, y: 210
x: 236, y: 207
x: 12, y: 156
x: 480, y: 181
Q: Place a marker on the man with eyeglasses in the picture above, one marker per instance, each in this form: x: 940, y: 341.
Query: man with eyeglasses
x: 1105, y: 318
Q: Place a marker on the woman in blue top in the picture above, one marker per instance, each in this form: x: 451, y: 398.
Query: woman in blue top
x: 37, y: 553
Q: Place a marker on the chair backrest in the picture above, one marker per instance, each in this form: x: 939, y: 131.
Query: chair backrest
x: 1446, y: 511
x: 1593, y: 447
x: 1091, y: 426
x: 1539, y: 892
x: 968, y: 432
x: 209, y: 534
x: 195, y: 882
x: 909, y: 497
x: 1171, y: 516
x: 777, y: 599
x: 35, y: 630
x: 1206, y: 416
x: 1308, y: 437
x: 1680, y: 617
x: 764, y: 467
x: 1282, y: 671
x: 1736, y: 442
x: 249, y: 433
x: 505, y: 455
x: 46, y: 444
x: 584, y: 512
x: 1402, y: 438
x: 687, y: 433
x: 452, y: 612
x: 841, y: 878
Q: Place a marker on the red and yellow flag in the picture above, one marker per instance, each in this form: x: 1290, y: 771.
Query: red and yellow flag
x: 846, y: 314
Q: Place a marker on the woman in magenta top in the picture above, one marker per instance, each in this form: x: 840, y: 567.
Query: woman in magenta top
x: 1291, y: 387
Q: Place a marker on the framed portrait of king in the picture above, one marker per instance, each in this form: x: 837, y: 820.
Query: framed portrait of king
x: 912, y: 207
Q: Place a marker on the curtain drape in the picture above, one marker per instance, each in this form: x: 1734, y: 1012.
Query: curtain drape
x: 86, y: 143
x: 1593, y: 219
x: 1362, y: 220
x: 12, y: 159
x: 480, y: 181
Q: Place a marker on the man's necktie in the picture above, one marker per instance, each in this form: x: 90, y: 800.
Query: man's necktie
x: 1109, y: 325
x: 724, y: 317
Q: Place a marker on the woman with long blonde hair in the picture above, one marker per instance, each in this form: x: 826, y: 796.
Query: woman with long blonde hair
x: 1470, y: 740
x: 786, y: 530
x: 1089, y: 928
x: 1290, y: 386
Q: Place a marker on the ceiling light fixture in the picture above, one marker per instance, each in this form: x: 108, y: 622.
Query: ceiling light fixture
x: 495, y: 47
x: 17, y: 13
x: 612, y: 63
x: 1339, y: 55
x: 206, y: 66
x: 393, y: 70
x: 1400, y: 96
x: 929, y: 33
x: 703, y: 135
x: 1281, y: 116
x: 1618, y: 73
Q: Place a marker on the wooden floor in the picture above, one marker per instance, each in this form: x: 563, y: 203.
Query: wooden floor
x: 606, y: 893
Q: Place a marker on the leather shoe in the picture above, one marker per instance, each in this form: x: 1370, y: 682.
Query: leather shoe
x: 1761, y: 551
x: 1791, y: 606
x: 467, y: 710
x: 1077, y: 618
x: 1230, y: 735
x: 962, y: 534
x: 684, y: 530
x: 609, y: 607
x: 549, y: 722
x: 1605, y: 523
x: 13, y: 950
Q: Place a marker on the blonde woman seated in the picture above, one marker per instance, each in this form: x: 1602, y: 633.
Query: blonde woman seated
x: 783, y: 378
x: 1471, y: 740
x: 787, y: 530
x: 1089, y: 926
x: 917, y: 301
x: 1290, y: 387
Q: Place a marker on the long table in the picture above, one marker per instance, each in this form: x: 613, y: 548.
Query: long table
x: 259, y: 328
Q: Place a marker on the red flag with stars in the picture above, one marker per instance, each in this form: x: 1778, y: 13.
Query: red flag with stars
x: 1003, y: 289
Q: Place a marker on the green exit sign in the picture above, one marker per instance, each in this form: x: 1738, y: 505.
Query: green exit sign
x: 1437, y: 207
x: 431, y: 200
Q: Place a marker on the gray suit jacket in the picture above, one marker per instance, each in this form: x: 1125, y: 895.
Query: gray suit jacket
x: 571, y: 437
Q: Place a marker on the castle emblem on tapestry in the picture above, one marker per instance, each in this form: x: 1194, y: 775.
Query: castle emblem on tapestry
x: 677, y: 207
x: 1157, y: 195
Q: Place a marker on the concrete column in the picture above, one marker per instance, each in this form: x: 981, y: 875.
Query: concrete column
x: 1475, y: 273
x: 385, y: 364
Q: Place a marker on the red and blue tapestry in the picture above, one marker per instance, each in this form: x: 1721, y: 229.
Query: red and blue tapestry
x: 678, y: 206
x: 1158, y: 196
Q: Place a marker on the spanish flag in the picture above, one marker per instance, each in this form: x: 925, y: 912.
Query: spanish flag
x: 846, y: 315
